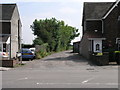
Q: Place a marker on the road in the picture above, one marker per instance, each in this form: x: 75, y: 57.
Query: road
x: 61, y: 70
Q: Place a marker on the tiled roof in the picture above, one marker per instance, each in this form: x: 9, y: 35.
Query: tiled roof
x: 96, y: 10
x: 6, y: 11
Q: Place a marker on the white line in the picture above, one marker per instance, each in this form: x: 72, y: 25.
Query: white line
x: 87, y: 80
x: 57, y: 83
x: 23, y: 78
x: 103, y: 83
x: 76, y: 83
x: 108, y: 84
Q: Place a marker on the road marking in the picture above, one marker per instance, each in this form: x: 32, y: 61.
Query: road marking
x: 76, y: 83
x: 23, y: 78
x: 57, y: 83
x: 37, y: 83
x: 87, y: 80
x: 103, y: 83
x: 111, y: 83
x: 26, y: 78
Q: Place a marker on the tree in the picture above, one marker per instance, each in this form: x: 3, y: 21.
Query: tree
x: 54, y: 32
x: 37, y: 41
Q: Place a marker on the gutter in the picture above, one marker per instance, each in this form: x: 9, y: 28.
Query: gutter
x: 5, y: 20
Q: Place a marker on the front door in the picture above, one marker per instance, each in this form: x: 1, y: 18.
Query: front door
x: 97, y: 45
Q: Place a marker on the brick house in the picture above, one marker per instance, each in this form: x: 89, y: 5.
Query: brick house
x: 10, y: 29
x: 101, y: 31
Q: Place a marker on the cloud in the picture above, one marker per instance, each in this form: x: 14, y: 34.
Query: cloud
x: 16, y: 1
x: 97, y: 0
x: 44, y: 15
x: 68, y: 10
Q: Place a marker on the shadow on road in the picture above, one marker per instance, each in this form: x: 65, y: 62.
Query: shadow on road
x: 75, y: 57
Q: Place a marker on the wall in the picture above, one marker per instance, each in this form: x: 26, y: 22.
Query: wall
x: 84, y: 47
x: 14, y: 33
x: 91, y: 26
x: 111, y: 31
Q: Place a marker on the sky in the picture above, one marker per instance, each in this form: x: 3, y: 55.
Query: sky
x: 69, y: 11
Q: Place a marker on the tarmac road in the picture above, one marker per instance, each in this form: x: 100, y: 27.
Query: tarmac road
x: 61, y: 70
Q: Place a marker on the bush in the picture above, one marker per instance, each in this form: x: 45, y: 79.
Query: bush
x: 41, y: 54
x: 42, y: 51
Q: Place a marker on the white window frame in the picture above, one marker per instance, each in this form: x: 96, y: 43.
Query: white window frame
x: 117, y: 40
x: 118, y: 43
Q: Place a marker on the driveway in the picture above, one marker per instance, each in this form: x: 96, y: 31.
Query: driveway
x: 61, y: 70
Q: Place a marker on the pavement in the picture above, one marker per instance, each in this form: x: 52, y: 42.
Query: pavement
x: 61, y: 70
x: 4, y: 69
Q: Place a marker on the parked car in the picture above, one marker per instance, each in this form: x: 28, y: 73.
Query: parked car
x: 4, y: 55
x: 27, y: 54
x: 33, y: 50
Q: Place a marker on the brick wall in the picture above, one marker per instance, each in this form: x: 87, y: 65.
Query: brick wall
x: 84, y: 47
x: 9, y: 63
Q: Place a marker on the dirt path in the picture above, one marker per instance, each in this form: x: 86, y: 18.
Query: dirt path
x: 63, y: 59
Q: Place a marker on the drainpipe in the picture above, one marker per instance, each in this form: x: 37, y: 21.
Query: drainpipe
x: 10, y: 49
x: 102, y: 31
x: 102, y: 26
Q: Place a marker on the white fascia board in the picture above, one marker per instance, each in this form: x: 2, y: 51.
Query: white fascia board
x: 93, y: 19
x: 96, y: 38
x: 5, y: 20
x: 111, y: 9
x: 8, y: 41
x: 117, y: 40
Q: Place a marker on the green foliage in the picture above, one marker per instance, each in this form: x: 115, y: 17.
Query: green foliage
x: 41, y: 54
x: 37, y: 41
x: 54, y: 32
x: 43, y: 51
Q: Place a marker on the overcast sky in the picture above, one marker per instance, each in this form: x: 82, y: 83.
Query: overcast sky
x: 69, y: 11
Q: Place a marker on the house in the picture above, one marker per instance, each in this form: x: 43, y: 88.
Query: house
x: 76, y: 47
x: 101, y: 31
x: 10, y: 30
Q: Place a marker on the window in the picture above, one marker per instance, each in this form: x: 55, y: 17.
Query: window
x: 118, y: 18
x: 97, y: 47
x: 118, y: 43
x: 1, y: 47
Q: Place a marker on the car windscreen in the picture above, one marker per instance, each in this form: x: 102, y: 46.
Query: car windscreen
x: 26, y: 50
